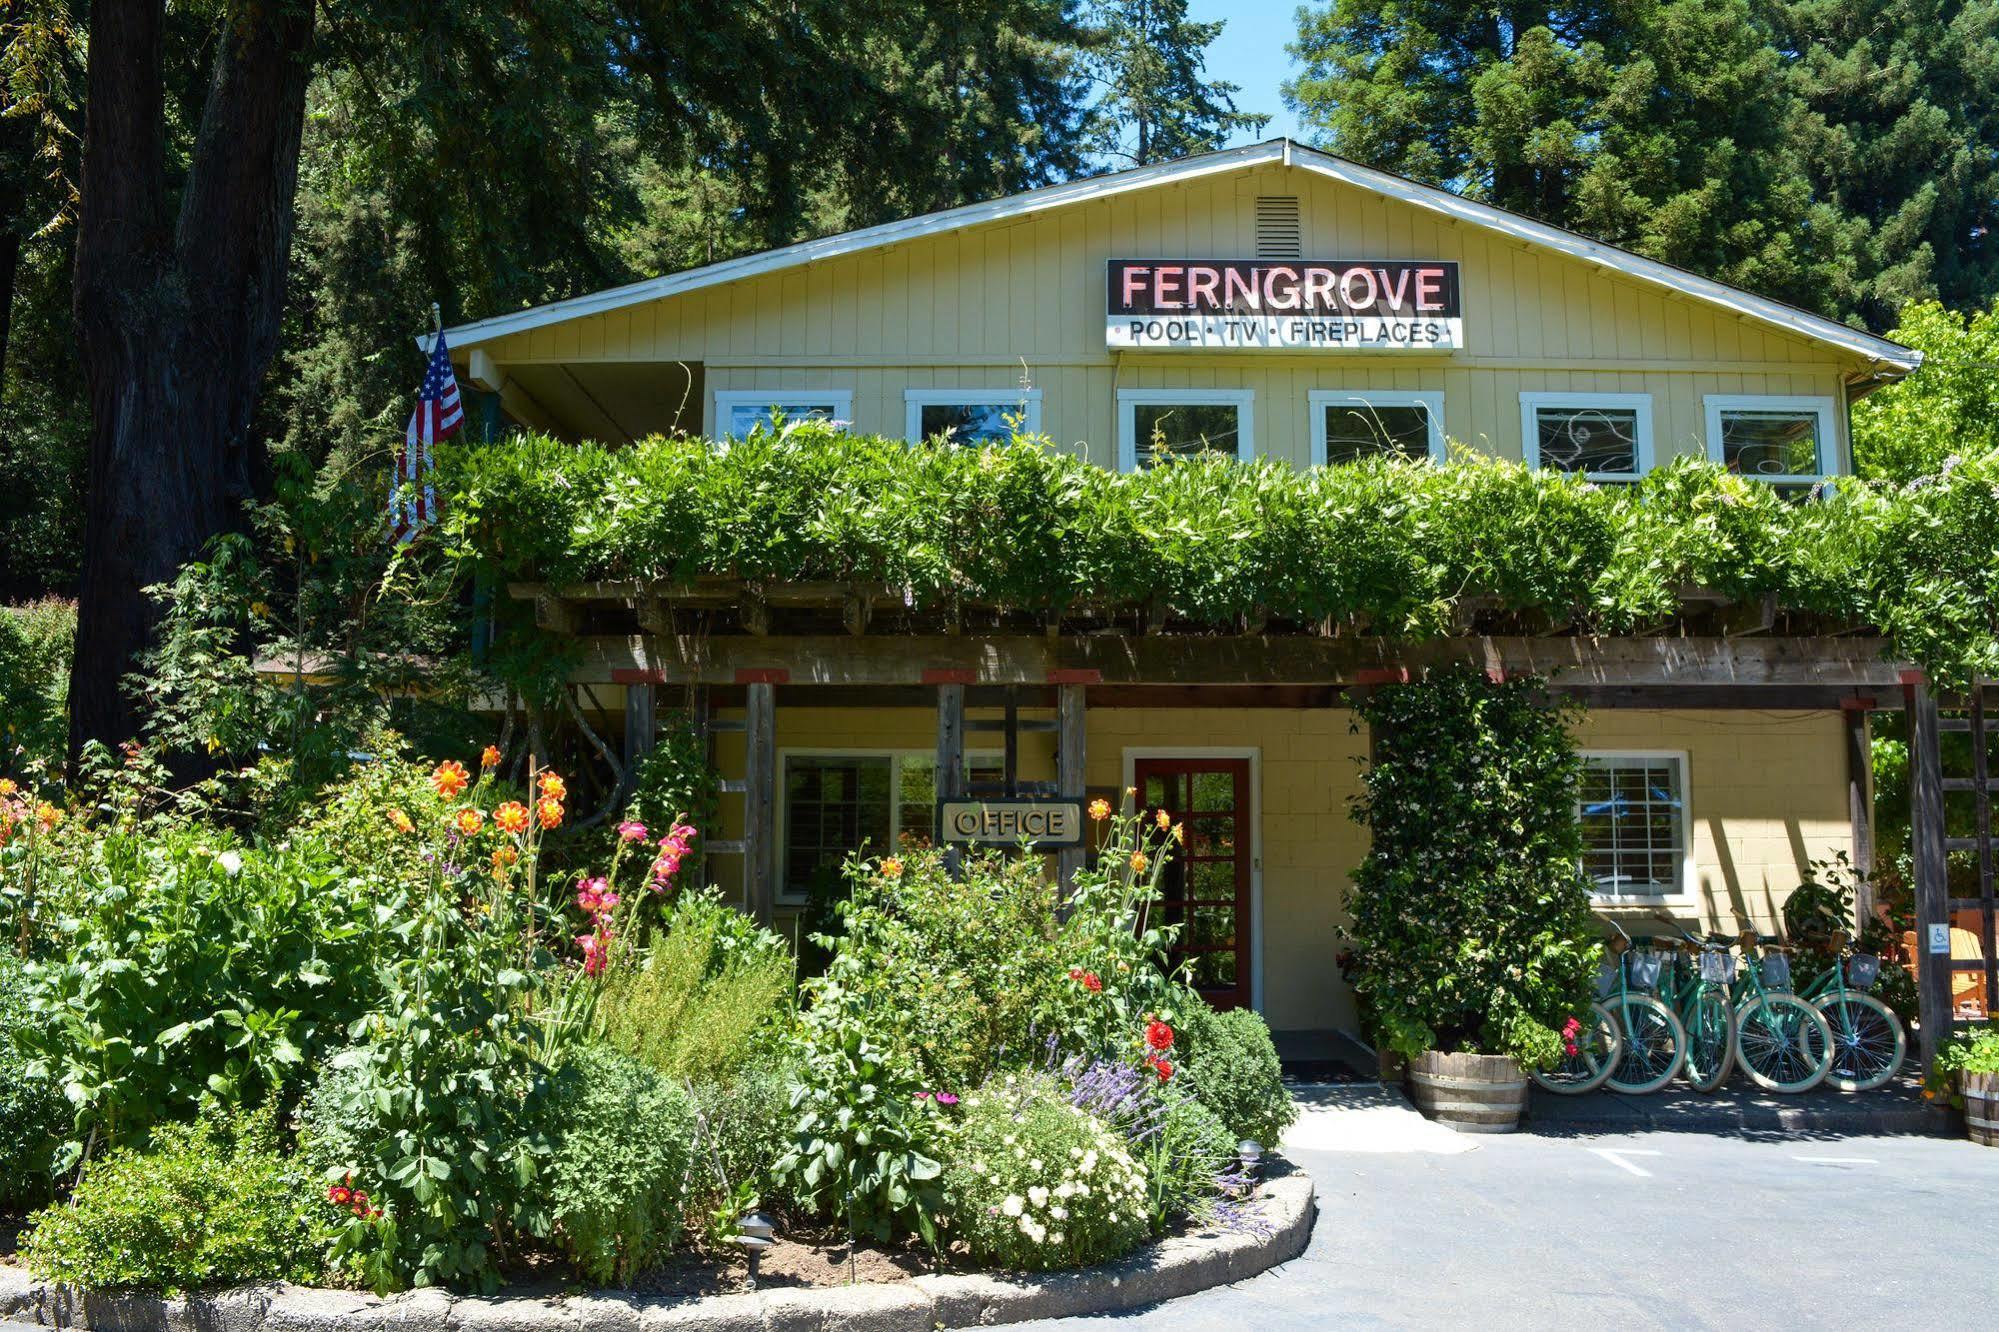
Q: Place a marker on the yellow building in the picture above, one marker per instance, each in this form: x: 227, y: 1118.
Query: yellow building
x: 1278, y: 302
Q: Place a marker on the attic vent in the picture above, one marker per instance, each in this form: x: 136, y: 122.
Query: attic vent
x: 1277, y: 232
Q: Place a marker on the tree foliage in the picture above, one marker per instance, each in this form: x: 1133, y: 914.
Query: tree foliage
x: 1949, y: 407
x: 1147, y: 56
x: 1837, y: 154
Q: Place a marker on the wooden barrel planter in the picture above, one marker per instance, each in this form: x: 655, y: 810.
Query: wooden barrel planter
x: 1470, y: 1093
x: 1981, y: 1107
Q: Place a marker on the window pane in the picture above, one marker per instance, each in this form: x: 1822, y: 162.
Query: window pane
x: 1588, y: 439
x: 1183, y: 429
x: 1773, y: 443
x: 1359, y: 430
x: 832, y: 807
x: 1633, y: 816
x: 971, y: 423
x: 743, y: 417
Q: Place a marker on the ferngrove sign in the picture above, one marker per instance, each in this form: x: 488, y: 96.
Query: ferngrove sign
x: 1043, y: 823
x: 1285, y: 304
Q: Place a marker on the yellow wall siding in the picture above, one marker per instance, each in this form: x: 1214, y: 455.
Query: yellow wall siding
x: 966, y: 308
x: 1766, y: 795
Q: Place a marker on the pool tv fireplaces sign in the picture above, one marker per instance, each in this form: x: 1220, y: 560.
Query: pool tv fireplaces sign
x: 1285, y: 304
x: 1044, y: 823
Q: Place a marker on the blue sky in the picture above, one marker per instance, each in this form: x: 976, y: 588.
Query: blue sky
x: 1251, y: 52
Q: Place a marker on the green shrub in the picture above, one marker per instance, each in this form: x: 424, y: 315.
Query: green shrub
x: 197, y: 967
x: 36, y: 643
x: 743, y: 1128
x: 1472, y: 927
x: 710, y: 984
x: 1231, y: 1067
x: 1036, y: 1183
x: 623, y: 1135
x: 198, y: 1207
x: 34, y: 1117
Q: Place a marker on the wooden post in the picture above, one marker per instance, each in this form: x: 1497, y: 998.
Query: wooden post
x: 1069, y: 771
x: 1926, y: 838
x: 950, y: 754
x: 1860, y: 807
x: 641, y: 730
x: 760, y: 803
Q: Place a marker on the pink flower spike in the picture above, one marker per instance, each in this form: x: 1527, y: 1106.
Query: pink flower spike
x: 631, y: 830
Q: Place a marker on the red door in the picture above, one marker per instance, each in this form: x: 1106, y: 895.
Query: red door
x: 1206, y: 883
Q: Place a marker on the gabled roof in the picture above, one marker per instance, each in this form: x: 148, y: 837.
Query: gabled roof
x: 1283, y: 151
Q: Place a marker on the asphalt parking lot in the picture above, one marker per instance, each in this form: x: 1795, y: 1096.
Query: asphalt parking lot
x: 1420, y: 1228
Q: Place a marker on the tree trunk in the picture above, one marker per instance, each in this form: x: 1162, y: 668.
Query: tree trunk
x: 10, y: 264
x: 178, y: 320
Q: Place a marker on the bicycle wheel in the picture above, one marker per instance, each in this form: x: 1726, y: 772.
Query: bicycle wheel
x: 1597, y: 1051
x: 1655, y: 1044
x: 1710, y: 1025
x: 1782, y: 1043
x: 1868, y: 1043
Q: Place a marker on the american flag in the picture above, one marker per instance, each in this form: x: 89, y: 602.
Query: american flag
x: 438, y: 415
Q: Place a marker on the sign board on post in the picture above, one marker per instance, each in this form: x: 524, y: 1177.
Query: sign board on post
x: 1285, y: 304
x: 1940, y: 940
x: 1042, y: 823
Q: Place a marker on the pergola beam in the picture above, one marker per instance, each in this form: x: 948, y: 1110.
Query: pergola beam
x: 1831, y: 665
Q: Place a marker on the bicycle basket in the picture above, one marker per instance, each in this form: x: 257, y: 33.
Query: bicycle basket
x: 1643, y: 966
x: 1776, y: 971
x: 1862, y: 970
x: 1606, y: 979
x: 1718, y: 968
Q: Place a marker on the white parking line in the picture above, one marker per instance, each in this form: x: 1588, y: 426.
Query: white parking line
x: 1836, y: 1160
x: 1616, y: 1155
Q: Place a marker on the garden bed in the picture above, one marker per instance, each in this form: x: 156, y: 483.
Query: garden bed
x: 1178, y: 1265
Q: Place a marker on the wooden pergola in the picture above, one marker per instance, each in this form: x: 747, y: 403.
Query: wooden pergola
x: 728, y: 644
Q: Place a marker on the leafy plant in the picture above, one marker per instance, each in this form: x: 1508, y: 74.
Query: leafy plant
x: 35, y: 647
x: 1038, y: 1183
x: 623, y: 1135
x: 1472, y: 928
x: 674, y: 782
x: 34, y: 1117
x: 1231, y: 1067
x: 201, y: 1205
x: 703, y: 994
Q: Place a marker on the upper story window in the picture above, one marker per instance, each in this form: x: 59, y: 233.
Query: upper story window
x: 1633, y: 810
x: 1360, y: 423
x: 1786, y: 441
x: 1604, y: 436
x: 1184, y: 422
x: 738, y: 411
x: 970, y: 416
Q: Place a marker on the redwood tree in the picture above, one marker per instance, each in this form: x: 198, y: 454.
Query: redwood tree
x: 177, y: 307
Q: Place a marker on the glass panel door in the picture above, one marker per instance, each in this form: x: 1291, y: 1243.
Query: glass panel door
x: 1206, y: 883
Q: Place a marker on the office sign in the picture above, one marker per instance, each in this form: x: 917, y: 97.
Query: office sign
x: 1044, y: 823
x: 1285, y: 304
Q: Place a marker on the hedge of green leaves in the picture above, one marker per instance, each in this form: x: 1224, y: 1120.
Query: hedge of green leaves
x: 1391, y: 545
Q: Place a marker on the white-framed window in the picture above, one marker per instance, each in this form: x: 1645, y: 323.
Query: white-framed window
x: 1787, y: 441
x: 1184, y: 422
x: 832, y: 803
x: 1358, y: 423
x: 737, y: 411
x: 970, y: 416
x: 1637, y: 838
x: 1604, y: 436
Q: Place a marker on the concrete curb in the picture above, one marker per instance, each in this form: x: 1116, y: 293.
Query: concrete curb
x: 1179, y: 1265
x: 1810, y: 1116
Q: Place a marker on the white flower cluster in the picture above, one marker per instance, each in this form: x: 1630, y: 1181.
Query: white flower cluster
x: 1057, y: 1188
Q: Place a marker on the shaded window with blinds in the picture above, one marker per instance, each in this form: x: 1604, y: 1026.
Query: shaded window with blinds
x: 1278, y: 235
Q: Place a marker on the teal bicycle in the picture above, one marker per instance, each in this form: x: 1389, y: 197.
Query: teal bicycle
x: 1655, y: 1042
x: 1868, y: 1042
x: 1698, y: 988
x: 1782, y: 1043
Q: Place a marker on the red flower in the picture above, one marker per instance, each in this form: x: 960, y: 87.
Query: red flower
x: 1092, y: 982
x: 1158, y: 1035
x: 1075, y: 973
x: 1163, y: 1067
x: 339, y: 1195
x: 360, y: 1211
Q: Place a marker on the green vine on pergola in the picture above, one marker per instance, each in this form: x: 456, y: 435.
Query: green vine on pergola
x: 1385, y: 546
